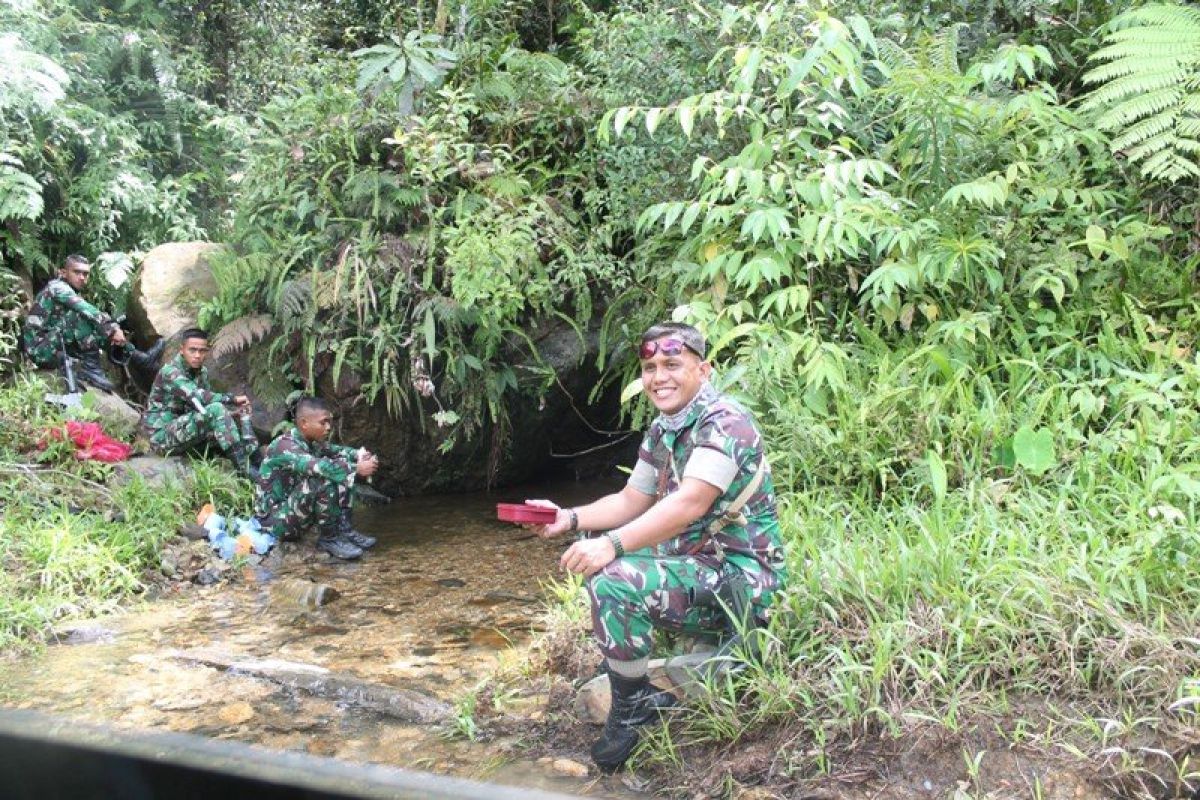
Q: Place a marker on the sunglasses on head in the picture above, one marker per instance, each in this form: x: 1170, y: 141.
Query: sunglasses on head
x: 668, y: 347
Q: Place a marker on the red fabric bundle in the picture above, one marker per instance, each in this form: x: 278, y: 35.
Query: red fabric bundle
x: 92, y: 444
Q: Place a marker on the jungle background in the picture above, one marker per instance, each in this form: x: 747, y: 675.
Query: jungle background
x: 945, y: 251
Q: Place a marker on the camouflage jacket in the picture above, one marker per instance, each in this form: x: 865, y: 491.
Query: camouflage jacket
x: 48, y: 314
x: 290, y: 458
x: 735, y: 452
x: 171, y: 395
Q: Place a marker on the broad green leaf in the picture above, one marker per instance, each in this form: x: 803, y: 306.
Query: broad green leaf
x: 1034, y: 450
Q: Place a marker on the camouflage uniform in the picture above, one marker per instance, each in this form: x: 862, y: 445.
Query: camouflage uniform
x: 670, y: 586
x: 303, y: 483
x: 174, y: 423
x: 58, y: 310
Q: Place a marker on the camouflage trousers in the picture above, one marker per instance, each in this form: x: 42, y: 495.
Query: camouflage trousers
x: 188, y: 431
x: 78, y: 336
x: 639, y: 592
x: 313, y: 501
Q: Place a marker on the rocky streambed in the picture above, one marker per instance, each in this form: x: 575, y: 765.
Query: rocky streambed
x: 373, y: 668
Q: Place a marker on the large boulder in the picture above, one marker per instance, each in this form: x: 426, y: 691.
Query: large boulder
x: 542, y: 429
x: 174, y: 281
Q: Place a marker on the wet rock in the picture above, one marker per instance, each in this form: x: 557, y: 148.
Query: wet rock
x: 192, y: 532
x: 155, y: 470
x: 302, y: 593
x: 402, y: 704
x: 418, y: 457
x: 208, y: 576
x: 451, y: 583
x: 117, y: 418
x: 565, y: 766
x: 235, y: 713
x: 72, y: 633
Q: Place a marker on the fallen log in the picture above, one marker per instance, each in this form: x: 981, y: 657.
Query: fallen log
x: 402, y: 704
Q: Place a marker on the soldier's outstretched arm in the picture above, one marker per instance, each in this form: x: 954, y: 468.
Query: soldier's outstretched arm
x: 66, y: 296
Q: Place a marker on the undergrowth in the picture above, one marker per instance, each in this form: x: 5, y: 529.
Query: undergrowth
x: 72, y: 544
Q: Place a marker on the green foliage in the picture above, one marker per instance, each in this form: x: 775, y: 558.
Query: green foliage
x: 70, y: 544
x: 1150, y: 93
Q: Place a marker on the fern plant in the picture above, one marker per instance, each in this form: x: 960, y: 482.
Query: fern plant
x: 1148, y: 94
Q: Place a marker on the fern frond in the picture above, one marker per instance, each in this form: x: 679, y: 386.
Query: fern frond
x: 1148, y: 88
x: 294, y: 297
x: 895, y: 57
x: 241, y: 333
x: 943, y: 56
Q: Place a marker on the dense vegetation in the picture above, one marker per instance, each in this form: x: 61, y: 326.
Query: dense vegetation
x: 945, y: 250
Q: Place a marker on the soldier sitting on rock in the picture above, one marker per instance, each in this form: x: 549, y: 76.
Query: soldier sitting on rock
x: 183, y: 413
x: 62, y: 324
x: 305, y: 480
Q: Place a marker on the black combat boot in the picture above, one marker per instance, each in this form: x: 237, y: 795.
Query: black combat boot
x: 90, y: 370
x: 147, y: 360
x: 358, y: 539
x: 338, y: 546
x: 634, y: 703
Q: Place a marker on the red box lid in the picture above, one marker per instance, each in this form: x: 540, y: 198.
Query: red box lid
x: 525, y: 513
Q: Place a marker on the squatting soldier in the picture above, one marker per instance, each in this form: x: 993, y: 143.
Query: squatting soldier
x: 183, y: 412
x: 696, y: 519
x: 61, y: 324
x: 305, y: 480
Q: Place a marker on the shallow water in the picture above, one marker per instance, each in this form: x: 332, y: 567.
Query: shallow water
x: 446, y: 594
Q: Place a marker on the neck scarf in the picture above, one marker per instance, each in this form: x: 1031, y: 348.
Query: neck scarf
x: 688, y: 414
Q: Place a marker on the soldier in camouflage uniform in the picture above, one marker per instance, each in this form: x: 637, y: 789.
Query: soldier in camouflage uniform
x: 61, y: 323
x: 696, y: 518
x: 306, y: 480
x: 183, y: 413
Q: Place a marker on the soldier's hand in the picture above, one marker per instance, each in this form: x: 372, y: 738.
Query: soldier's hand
x: 366, y: 467
x: 588, y: 556
x: 241, y: 401
x: 118, y: 337
x: 561, y: 524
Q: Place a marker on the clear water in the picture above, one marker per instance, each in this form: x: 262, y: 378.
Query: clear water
x: 446, y: 593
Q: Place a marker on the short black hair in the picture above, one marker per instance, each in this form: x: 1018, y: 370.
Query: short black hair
x: 308, y: 405
x: 688, y: 334
x: 75, y: 258
x: 192, y: 333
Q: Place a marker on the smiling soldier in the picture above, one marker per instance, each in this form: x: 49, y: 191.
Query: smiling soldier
x: 696, y: 517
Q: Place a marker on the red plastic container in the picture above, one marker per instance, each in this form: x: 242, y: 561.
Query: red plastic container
x: 525, y: 514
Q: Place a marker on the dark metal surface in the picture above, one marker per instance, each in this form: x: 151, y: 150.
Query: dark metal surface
x: 44, y: 757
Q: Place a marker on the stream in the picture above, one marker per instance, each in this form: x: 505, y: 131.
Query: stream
x: 447, y: 593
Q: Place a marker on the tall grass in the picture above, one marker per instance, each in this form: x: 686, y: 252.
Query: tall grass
x: 70, y: 543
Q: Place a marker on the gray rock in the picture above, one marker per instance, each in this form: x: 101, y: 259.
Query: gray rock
x: 72, y: 633
x: 174, y: 280
x: 155, y: 470
x: 302, y: 593
x: 118, y: 418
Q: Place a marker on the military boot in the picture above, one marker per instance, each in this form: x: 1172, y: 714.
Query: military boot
x: 634, y: 703
x: 346, y: 529
x: 147, y: 360
x: 338, y: 546
x: 90, y: 370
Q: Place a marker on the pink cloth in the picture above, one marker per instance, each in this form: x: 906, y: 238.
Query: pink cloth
x: 92, y: 443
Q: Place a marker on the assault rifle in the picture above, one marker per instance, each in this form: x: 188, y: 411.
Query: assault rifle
x: 73, y: 398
